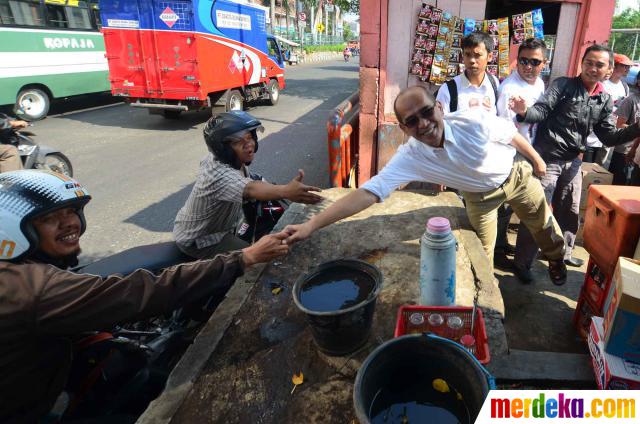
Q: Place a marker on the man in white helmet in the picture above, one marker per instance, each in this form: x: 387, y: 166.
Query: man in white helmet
x: 42, y: 305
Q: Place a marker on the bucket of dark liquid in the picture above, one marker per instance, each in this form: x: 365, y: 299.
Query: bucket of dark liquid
x: 420, y: 378
x: 339, y: 298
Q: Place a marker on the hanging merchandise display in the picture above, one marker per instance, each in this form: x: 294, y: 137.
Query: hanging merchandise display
x: 491, y: 28
x: 437, y: 50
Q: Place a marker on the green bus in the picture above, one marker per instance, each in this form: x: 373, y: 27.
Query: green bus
x: 49, y: 49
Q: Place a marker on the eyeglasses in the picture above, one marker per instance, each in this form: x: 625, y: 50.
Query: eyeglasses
x: 526, y: 61
x: 424, y: 113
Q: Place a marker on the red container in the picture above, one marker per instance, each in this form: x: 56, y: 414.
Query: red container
x: 582, y: 316
x: 405, y: 326
x: 612, y: 224
x: 596, y: 284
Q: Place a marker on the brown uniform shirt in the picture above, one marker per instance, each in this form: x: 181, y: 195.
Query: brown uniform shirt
x: 42, y: 307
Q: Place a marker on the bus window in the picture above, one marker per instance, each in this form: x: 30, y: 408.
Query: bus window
x: 72, y: 17
x: 21, y: 12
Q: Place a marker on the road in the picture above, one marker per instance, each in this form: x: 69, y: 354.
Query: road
x: 140, y: 168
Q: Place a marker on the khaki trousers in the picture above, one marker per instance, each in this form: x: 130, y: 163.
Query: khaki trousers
x: 9, y: 158
x: 526, y: 196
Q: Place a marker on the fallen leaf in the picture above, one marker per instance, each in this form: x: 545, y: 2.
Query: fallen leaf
x: 297, y: 379
x: 276, y: 291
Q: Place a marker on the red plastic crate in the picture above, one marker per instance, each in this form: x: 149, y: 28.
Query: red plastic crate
x: 481, y: 349
x: 584, y: 311
x: 596, y: 284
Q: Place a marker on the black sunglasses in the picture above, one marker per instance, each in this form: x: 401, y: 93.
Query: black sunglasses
x: 424, y: 113
x: 525, y: 61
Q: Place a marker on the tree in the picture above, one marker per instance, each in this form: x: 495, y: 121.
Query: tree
x: 624, y: 42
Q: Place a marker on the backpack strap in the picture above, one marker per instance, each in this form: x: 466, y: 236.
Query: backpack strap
x: 626, y: 88
x: 453, y: 95
x: 494, y: 85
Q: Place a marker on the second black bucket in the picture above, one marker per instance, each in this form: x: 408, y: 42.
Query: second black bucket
x: 340, y: 329
x: 420, y: 378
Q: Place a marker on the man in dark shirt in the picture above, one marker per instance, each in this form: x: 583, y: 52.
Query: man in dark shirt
x: 570, y: 109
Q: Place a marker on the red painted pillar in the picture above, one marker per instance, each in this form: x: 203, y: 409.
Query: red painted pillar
x: 593, y: 26
x: 373, y: 53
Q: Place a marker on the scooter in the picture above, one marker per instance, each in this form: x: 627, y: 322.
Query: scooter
x: 38, y: 156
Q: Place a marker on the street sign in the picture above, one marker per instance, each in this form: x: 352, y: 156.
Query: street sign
x: 302, y: 16
x: 329, y: 7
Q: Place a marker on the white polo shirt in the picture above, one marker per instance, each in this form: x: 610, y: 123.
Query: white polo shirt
x: 476, y: 156
x: 514, y: 85
x: 470, y: 95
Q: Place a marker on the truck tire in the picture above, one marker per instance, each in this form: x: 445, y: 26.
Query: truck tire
x: 273, y: 91
x: 171, y: 114
x: 235, y: 101
x: 34, y: 103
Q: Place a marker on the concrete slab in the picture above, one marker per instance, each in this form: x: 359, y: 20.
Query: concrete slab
x: 543, y: 367
x: 244, y: 365
x: 539, y: 315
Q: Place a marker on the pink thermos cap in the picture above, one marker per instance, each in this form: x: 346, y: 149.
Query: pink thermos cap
x: 438, y: 225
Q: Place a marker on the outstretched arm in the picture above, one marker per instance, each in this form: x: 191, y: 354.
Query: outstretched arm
x: 349, y: 205
x: 295, y: 191
x: 526, y: 150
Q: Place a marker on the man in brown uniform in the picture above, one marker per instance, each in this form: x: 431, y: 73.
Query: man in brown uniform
x: 42, y: 305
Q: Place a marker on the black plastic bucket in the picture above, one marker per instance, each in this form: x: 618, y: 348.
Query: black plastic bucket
x: 341, y: 331
x: 416, y: 360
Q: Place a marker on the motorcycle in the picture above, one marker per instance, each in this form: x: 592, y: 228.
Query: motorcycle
x: 38, y: 156
x: 260, y: 217
x: 117, y: 373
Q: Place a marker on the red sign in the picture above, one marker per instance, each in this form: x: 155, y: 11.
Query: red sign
x: 302, y: 16
x: 169, y: 17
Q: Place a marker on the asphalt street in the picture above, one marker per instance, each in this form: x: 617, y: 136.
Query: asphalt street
x: 140, y: 168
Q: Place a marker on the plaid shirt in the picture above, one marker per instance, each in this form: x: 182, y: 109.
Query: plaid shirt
x: 214, y: 206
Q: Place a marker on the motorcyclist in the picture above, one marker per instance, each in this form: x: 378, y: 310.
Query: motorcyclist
x: 206, y: 224
x: 9, y: 155
x: 43, y: 305
x: 346, y: 53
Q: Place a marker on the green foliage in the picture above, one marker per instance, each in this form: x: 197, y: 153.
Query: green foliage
x: 324, y: 48
x: 346, y: 32
x: 624, y: 42
x: 352, y: 6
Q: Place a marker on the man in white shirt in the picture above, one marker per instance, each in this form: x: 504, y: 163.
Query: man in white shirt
x: 471, y: 151
x: 615, y: 85
x: 619, y: 90
x: 525, y: 82
x: 474, y: 87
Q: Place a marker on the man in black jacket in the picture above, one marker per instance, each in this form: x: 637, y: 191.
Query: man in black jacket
x: 570, y: 109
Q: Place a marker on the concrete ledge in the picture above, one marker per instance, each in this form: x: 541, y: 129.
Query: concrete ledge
x: 528, y: 366
x: 183, y: 376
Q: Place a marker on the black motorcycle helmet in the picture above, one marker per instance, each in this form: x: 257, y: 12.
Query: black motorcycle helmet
x: 220, y: 128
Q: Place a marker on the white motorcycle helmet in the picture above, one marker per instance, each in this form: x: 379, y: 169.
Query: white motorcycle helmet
x: 27, y: 194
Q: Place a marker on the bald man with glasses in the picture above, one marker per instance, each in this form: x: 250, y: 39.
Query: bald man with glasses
x: 473, y: 151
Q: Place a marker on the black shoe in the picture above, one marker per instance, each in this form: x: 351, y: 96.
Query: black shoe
x: 557, y: 272
x: 506, y: 249
x: 573, y: 261
x: 524, y: 274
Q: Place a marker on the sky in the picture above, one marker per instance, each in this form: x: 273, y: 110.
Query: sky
x: 624, y: 4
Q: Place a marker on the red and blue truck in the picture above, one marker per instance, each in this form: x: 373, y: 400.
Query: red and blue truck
x: 179, y: 55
